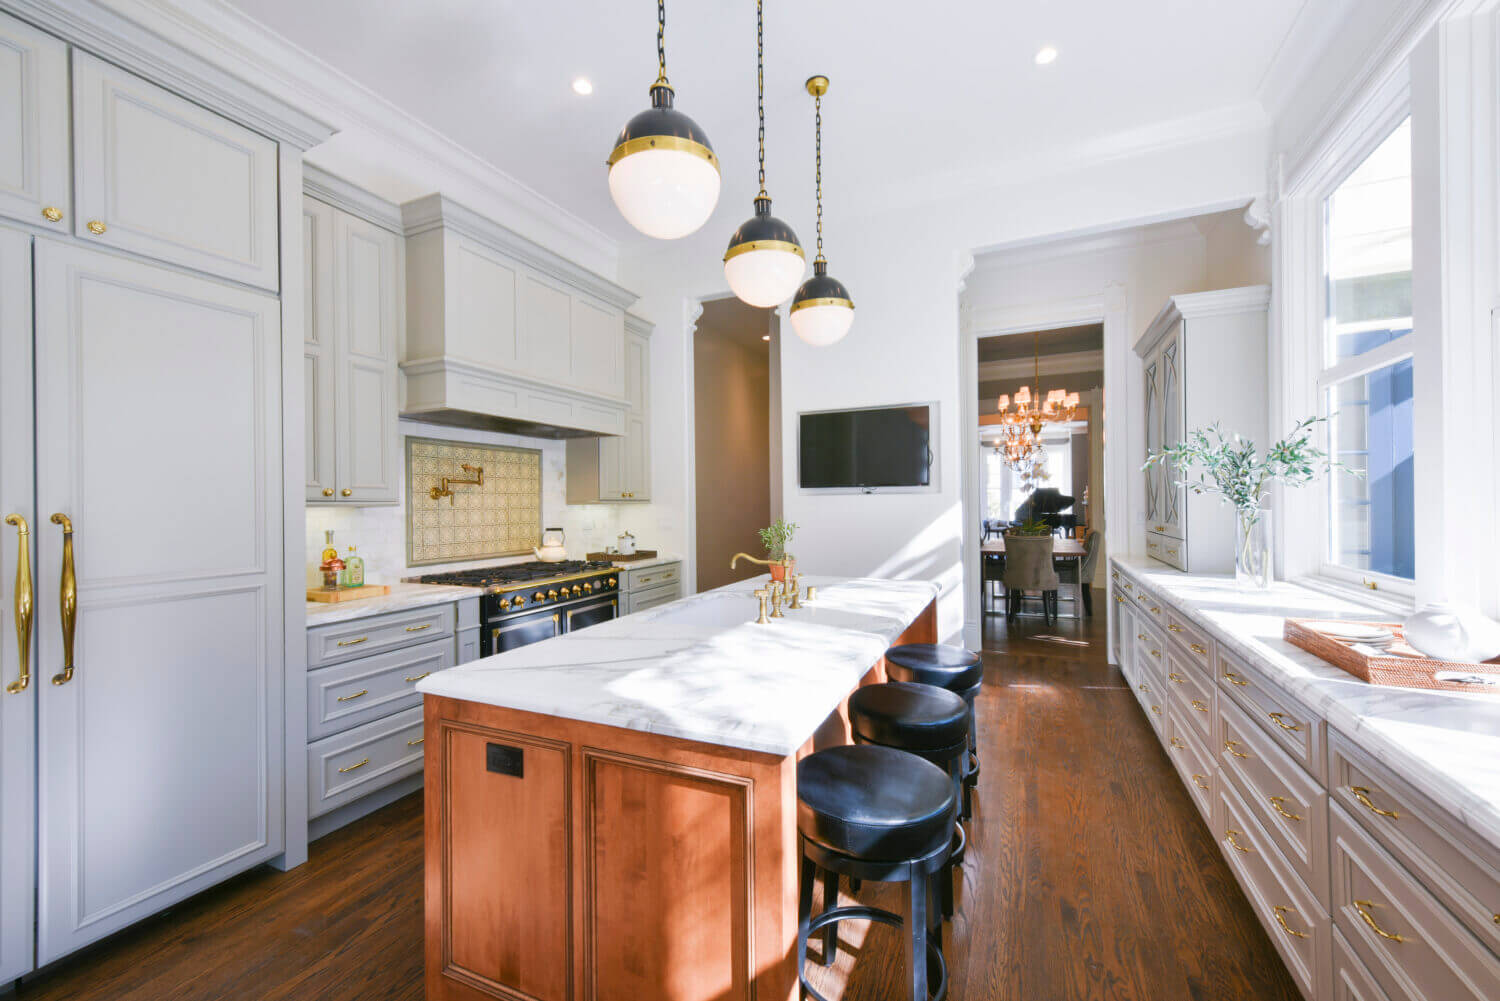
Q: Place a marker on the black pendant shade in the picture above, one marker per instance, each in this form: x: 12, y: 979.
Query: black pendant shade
x: 662, y: 126
x: 822, y: 289
x: 763, y: 231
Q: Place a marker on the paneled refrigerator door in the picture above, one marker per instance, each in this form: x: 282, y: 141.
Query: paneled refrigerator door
x: 17, y: 645
x: 161, y: 706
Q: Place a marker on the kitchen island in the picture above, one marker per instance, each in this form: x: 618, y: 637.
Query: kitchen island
x: 612, y: 814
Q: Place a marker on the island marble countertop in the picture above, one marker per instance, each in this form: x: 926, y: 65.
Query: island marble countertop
x: 700, y: 668
x: 402, y: 596
x: 1445, y: 744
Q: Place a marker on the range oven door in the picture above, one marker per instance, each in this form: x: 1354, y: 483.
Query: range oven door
x: 591, y: 613
x: 518, y: 630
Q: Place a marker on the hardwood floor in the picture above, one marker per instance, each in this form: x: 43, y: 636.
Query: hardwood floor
x: 1090, y: 876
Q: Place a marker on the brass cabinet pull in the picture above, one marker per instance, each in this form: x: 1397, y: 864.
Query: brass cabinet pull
x: 1364, y: 907
x: 1173, y: 627
x: 96, y: 227
x: 351, y: 698
x: 1201, y: 781
x: 1140, y: 636
x: 52, y: 213
x: 414, y: 743
x: 1363, y: 795
x: 1279, y: 910
x: 417, y: 629
x: 328, y: 491
x: 1171, y: 552
x: 1197, y: 648
x: 1156, y: 709
x: 1230, y: 745
x: 1175, y: 742
x: 1156, y: 654
x: 347, y: 492
x: 1119, y: 599
x: 1278, y: 719
x: 1143, y: 688
x: 1234, y: 679
x: 1127, y: 586
x: 418, y: 677
x: 1230, y: 836
x: 358, y: 764
x: 1155, y: 610
x: 1174, y: 676
x: 67, y: 598
x: 1199, y: 705
x: 24, y: 606
x: 353, y: 642
x: 1276, y: 802
x: 1114, y: 574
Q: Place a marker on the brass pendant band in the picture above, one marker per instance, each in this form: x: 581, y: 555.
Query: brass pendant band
x: 642, y: 144
x: 810, y: 303
x: 745, y: 248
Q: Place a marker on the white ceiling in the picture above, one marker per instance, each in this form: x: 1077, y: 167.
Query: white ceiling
x: 932, y: 93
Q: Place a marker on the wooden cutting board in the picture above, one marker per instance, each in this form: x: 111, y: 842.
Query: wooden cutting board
x: 348, y: 593
x: 639, y: 554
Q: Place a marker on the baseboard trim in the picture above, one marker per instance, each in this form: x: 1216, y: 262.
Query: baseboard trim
x: 349, y: 813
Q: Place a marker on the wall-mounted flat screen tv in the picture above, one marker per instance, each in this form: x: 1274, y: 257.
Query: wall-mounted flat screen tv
x: 866, y: 449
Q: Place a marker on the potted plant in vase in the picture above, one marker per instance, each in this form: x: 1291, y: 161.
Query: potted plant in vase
x: 1208, y: 461
x: 776, y: 537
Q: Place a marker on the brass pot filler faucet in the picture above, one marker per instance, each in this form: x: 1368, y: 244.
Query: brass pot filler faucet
x: 777, y: 591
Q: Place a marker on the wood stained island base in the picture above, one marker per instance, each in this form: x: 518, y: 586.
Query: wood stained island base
x: 571, y: 859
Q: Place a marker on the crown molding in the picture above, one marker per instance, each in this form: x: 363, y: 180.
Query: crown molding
x: 1197, y: 305
x: 131, y: 43
x: 349, y: 197
x: 1006, y: 257
x: 437, y: 211
x: 639, y: 325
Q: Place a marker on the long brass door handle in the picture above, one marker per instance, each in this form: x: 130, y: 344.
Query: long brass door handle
x: 67, y: 599
x: 1364, y: 907
x: 24, y: 604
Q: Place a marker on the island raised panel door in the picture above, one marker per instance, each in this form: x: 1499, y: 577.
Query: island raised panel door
x: 318, y: 350
x: 598, y: 348
x: 158, y: 430
x: 544, y: 319
x: 35, y: 177
x: 366, y: 306
x: 164, y: 178
x: 18, y: 708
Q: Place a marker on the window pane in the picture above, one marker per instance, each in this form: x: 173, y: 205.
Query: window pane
x: 1368, y: 220
x: 1372, y: 521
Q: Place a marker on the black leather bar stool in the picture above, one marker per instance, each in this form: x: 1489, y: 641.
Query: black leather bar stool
x: 959, y: 671
x: 875, y: 813
x: 927, y: 721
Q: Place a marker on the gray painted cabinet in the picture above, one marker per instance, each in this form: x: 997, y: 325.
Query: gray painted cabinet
x: 35, y: 175
x: 618, y: 468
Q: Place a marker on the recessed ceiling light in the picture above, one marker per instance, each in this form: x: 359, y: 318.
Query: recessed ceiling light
x: 584, y: 87
x: 1046, y: 54
x: 765, y: 337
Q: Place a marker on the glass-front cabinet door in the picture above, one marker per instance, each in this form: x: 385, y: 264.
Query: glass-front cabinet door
x: 1173, y: 498
x: 1154, y: 476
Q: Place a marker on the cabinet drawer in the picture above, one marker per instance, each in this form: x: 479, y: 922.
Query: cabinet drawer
x: 159, y: 176
x: 635, y: 580
x: 1166, y: 549
x: 357, y: 762
x: 652, y: 597
x: 1193, y: 761
x: 1290, y: 806
x: 1149, y: 694
x: 1408, y: 941
x: 357, y: 691
x: 1191, y: 692
x: 1352, y: 980
x: 1296, y: 923
x: 342, y: 641
x: 1460, y: 871
x: 1297, y: 731
x: 1193, y: 641
x: 1150, y: 648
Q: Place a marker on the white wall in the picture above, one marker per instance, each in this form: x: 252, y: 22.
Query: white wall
x: 904, y: 269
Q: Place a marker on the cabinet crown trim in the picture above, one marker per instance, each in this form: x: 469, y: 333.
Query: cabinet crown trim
x: 437, y: 211
x: 346, y: 196
x: 638, y: 325
x: 1195, y: 305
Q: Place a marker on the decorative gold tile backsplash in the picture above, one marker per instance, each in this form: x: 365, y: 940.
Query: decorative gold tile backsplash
x: 501, y: 518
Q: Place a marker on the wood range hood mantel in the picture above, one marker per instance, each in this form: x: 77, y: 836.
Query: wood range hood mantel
x: 505, y: 335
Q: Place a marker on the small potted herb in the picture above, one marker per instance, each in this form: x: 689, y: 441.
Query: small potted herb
x: 776, y: 537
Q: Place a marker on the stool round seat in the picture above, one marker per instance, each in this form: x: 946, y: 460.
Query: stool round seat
x: 937, y: 664
x: 914, y: 717
x: 874, y: 803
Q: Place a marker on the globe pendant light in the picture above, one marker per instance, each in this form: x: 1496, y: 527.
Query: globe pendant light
x: 764, y: 261
x: 822, y: 310
x: 663, y: 174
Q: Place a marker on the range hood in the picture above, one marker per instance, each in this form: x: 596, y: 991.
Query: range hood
x: 503, y: 334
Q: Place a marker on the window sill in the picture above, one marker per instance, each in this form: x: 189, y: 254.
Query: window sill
x: 1393, y: 603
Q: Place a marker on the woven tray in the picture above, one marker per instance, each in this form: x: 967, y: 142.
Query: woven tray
x: 1399, y: 665
x: 639, y: 554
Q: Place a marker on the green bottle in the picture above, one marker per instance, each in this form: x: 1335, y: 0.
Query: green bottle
x: 353, y: 574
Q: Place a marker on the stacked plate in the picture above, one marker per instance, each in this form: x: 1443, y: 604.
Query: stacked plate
x: 1352, y: 632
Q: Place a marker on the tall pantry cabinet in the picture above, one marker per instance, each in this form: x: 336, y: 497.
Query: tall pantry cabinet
x: 144, y: 599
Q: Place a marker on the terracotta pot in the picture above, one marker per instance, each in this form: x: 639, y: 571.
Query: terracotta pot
x: 783, y: 569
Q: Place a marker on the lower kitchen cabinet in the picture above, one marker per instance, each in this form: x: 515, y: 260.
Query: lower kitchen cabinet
x: 647, y: 587
x: 351, y: 765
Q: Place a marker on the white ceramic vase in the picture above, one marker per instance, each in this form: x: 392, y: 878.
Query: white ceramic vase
x: 1450, y: 632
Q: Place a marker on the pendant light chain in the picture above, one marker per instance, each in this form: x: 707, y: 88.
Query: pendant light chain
x: 661, y: 41
x: 818, y: 146
x: 760, y: 89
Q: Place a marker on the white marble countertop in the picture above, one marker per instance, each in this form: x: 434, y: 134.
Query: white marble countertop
x: 654, y: 561
x: 402, y: 596
x: 1445, y: 744
x: 700, y: 668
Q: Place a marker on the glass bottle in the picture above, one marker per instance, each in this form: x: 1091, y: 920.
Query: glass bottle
x: 353, y: 574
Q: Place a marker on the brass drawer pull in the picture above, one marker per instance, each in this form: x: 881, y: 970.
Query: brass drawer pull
x: 1278, y: 719
x: 346, y: 492
x: 1177, y: 743
x: 1198, y: 648
x: 1114, y: 574
x: 414, y: 743
x: 1276, y: 802
x: 1174, y: 676
x: 1230, y: 836
x: 1156, y: 654
x: 1201, y: 781
x: 328, y: 491
x: 1364, y: 907
x: 417, y: 629
x: 1143, y: 688
x: 1173, y: 627
x: 1279, y: 910
x: 1156, y: 709
x: 1231, y: 745
x: 418, y: 677
x: 1141, y: 637
x: 351, y: 698
x: 1363, y: 795
x: 1234, y: 679
x: 1128, y: 587
x: 1171, y: 552
x: 96, y: 227
x: 1199, y: 705
x: 1155, y: 610
x: 358, y: 764
x: 353, y: 642
x: 52, y: 213
x: 1119, y: 599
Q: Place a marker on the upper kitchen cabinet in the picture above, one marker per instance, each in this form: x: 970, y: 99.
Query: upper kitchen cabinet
x: 353, y: 310
x: 506, y: 335
x: 618, y: 468
x: 34, y: 172
x: 210, y: 205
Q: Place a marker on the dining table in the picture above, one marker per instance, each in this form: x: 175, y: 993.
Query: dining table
x: 1062, y: 549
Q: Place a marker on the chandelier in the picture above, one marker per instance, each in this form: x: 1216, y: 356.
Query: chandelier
x: 1057, y: 407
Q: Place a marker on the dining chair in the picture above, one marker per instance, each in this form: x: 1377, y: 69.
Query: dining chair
x: 1028, y: 567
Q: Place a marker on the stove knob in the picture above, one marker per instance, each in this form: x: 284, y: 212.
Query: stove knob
x: 519, y: 602
x: 577, y: 590
x: 539, y: 596
x: 614, y: 582
x: 552, y: 595
x: 588, y: 589
x: 505, y: 604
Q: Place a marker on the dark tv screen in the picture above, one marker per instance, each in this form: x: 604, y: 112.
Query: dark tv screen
x: 885, y: 447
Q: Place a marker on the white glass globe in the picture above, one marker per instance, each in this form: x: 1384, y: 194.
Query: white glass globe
x: 665, y: 193
x: 765, y: 277
x: 821, y: 326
